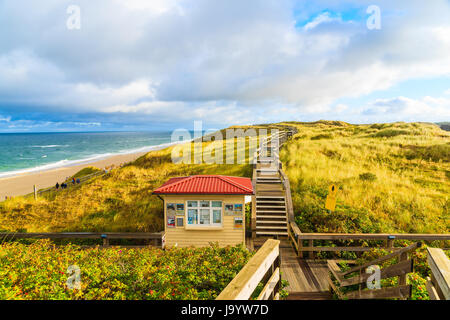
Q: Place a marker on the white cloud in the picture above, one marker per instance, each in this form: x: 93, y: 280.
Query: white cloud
x: 176, y: 60
x: 406, y: 108
x: 320, y: 19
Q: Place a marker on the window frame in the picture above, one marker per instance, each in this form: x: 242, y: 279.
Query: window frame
x: 211, y: 214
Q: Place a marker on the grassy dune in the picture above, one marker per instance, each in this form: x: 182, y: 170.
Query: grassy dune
x: 391, y: 177
x: 120, y: 201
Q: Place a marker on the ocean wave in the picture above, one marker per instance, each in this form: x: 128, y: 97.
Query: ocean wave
x: 50, y: 146
x: 90, y: 159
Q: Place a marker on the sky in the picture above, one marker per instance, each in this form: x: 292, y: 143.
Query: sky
x: 80, y: 65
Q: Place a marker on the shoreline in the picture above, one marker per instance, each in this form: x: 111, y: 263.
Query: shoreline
x: 22, y: 184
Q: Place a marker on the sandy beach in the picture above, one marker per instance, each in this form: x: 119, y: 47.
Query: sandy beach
x: 23, y: 184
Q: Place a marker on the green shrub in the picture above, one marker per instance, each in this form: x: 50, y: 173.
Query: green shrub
x: 38, y: 271
x: 367, y: 176
x: 433, y: 153
x: 322, y: 136
x: 389, y: 133
x: 85, y: 171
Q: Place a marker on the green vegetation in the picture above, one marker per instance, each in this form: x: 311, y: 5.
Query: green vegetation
x: 120, y: 201
x: 85, y: 172
x: 391, y: 177
x: 38, y: 271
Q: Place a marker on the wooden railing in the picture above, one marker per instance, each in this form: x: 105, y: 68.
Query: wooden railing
x: 438, y: 286
x: 358, y: 276
x: 263, y: 268
x: 156, y: 238
x: 287, y: 190
x: 299, y: 240
x: 69, y: 183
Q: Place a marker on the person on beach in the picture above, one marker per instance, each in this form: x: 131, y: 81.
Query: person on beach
x: 73, y: 180
x: 57, y: 186
x: 78, y: 181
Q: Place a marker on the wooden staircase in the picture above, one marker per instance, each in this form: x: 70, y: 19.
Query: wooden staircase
x: 270, y: 198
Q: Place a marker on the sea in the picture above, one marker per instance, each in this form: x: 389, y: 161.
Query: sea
x: 33, y: 152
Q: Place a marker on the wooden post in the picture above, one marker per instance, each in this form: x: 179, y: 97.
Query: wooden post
x: 105, y: 240
x: 390, y: 243
x: 35, y: 192
x: 300, y: 246
x: 253, y: 218
x: 402, y: 278
x: 311, y: 254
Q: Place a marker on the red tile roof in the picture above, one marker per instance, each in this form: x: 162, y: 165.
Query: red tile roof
x: 206, y: 184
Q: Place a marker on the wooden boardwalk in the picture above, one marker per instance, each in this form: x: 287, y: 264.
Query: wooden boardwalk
x: 308, y: 279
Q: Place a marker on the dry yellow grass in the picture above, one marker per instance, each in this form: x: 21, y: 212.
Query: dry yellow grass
x: 391, y: 177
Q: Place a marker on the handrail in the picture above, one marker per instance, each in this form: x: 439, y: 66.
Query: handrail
x: 82, y: 180
x: 439, y: 285
x: 375, y: 236
x: 407, y: 249
x: 265, y: 264
x: 287, y: 187
x: 106, y: 236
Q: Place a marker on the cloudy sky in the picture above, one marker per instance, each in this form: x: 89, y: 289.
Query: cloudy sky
x: 160, y: 64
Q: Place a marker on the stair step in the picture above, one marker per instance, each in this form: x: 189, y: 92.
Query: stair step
x: 270, y: 197
x: 270, y: 221
x: 270, y: 211
x: 269, y: 201
x: 272, y: 227
x: 271, y: 207
x: 277, y: 233
x: 281, y: 216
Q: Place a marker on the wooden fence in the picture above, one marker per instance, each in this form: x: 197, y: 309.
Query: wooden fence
x: 263, y: 268
x: 438, y: 286
x: 358, y: 277
x: 154, y: 238
x: 299, y: 239
x: 70, y: 184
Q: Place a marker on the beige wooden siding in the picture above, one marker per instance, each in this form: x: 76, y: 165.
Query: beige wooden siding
x: 227, y: 235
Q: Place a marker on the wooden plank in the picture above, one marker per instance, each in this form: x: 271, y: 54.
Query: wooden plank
x: 335, y: 249
x: 310, y: 296
x: 335, y: 270
x: 243, y: 285
x: 440, y: 271
x: 374, y: 236
x: 295, y: 228
x: 398, y: 269
x: 270, y: 285
x: 335, y: 288
x: 382, y: 259
x: 384, y: 293
x: 432, y: 290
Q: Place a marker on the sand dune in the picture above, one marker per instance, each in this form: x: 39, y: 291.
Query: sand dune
x: 23, y: 184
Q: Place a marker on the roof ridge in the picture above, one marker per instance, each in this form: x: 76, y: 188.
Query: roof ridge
x: 178, y: 182
x: 238, y: 185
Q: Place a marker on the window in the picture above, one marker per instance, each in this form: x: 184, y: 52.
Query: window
x: 204, y: 213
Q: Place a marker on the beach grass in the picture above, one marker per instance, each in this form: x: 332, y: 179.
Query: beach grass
x: 121, y: 200
x: 391, y: 177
